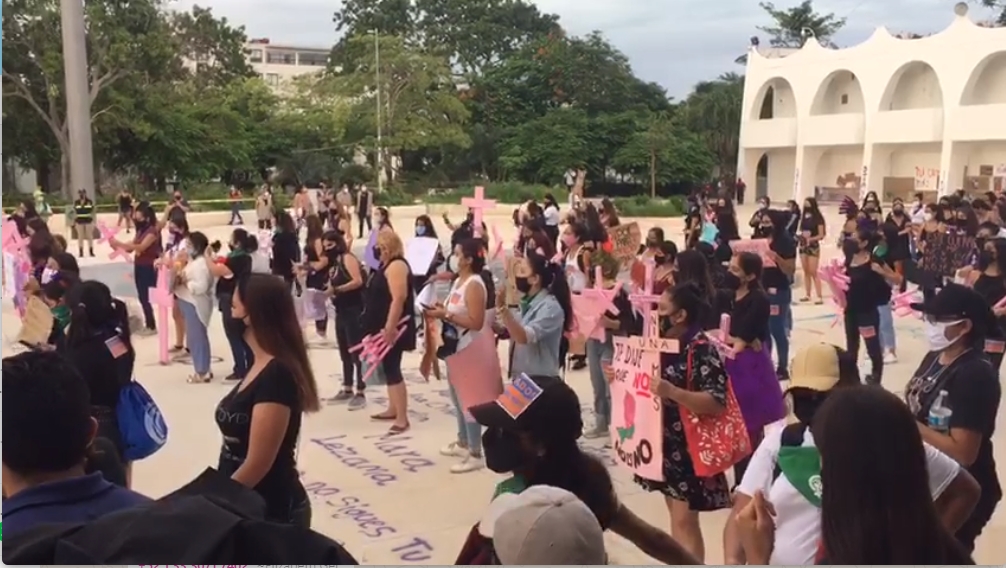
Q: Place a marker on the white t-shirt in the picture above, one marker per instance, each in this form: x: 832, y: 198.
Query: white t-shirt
x: 552, y: 217
x: 798, y: 522
x: 576, y: 277
x: 456, y: 306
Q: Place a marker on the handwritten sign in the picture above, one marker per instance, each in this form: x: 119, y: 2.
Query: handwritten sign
x: 395, y: 447
x: 864, y: 181
x: 926, y: 178
x: 636, y: 414
x: 758, y: 246
x: 625, y: 240
x: 947, y: 252
x: 513, y: 263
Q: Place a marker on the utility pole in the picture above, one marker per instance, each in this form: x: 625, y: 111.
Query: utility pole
x: 78, y: 98
x: 377, y: 78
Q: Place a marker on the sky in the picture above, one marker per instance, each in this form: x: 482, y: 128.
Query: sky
x: 696, y: 41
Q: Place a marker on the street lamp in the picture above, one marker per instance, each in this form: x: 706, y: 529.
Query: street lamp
x: 377, y: 81
x: 78, y: 97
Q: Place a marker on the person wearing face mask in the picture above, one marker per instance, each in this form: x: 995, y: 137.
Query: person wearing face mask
x: 577, y: 262
x: 146, y: 250
x: 756, y: 217
x: 194, y: 292
x: 431, y: 331
x: 868, y: 284
x: 314, y: 271
x: 726, y: 227
x: 545, y: 314
x: 776, y: 281
x: 648, y: 249
x: 989, y: 280
x: 695, y: 379
x: 812, y: 232
x: 779, y: 473
x: 663, y: 269
x: 955, y: 393
x: 918, y: 209
x: 538, y: 446
x: 754, y: 381
x: 897, y: 230
x: 235, y: 266
x: 346, y: 290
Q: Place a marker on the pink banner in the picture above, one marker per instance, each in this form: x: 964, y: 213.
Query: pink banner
x: 636, y: 414
x: 757, y: 246
x: 474, y: 372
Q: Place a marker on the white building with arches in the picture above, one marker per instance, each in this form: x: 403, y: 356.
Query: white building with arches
x: 889, y: 115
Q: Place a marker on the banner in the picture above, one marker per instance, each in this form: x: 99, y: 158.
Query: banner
x: 636, y: 414
x: 926, y: 178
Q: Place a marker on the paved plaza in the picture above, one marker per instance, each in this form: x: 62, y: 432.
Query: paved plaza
x: 392, y: 499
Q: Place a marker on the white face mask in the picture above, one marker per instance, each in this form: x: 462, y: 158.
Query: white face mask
x: 936, y: 333
x: 452, y: 264
x: 927, y: 216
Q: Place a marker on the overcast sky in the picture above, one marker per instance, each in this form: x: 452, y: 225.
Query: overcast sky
x: 696, y: 40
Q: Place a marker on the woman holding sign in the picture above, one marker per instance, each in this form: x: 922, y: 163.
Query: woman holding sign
x: 693, y: 379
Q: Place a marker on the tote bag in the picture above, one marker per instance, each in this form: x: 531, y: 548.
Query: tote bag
x: 715, y: 442
x: 140, y: 422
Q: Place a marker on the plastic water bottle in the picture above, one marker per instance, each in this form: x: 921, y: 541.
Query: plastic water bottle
x: 939, y: 413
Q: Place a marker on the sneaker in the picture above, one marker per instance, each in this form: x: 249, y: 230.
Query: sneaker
x: 890, y: 358
x: 343, y: 396
x: 146, y: 332
x: 599, y: 431
x: 471, y: 463
x: 455, y: 450
x: 358, y: 402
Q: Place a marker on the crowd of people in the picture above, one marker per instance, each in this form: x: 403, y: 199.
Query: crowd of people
x: 909, y: 480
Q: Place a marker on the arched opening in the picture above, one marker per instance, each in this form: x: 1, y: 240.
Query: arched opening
x: 775, y: 100
x: 761, y: 177
x: 839, y: 173
x: 914, y: 86
x: 839, y: 93
x: 987, y: 84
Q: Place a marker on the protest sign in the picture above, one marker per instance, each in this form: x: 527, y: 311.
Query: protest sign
x: 946, y: 253
x: 757, y: 246
x: 625, y: 241
x: 512, y: 295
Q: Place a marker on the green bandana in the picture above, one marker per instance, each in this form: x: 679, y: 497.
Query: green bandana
x: 61, y: 314
x: 802, y: 467
x: 515, y: 484
x: 525, y: 303
x: 236, y: 252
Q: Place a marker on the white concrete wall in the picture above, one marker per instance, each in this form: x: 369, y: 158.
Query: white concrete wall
x: 835, y: 162
x: 946, y: 90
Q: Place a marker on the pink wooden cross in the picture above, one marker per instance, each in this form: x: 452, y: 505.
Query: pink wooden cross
x: 592, y: 303
x: 13, y: 242
x: 645, y: 300
x: 161, y: 297
x: 108, y: 237
x: 499, y: 243
x: 265, y: 242
x: 477, y: 204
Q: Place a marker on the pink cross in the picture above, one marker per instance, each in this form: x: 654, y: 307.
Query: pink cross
x: 161, y: 297
x: 645, y: 300
x: 107, y: 236
x: 265, y: 242
x: 499, y: 243
x: 13, y: 242
x: 477, y: 204
x: 592, y: 304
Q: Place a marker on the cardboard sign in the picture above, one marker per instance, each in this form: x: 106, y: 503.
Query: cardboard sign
x: 757, y: 246
x: 37, y: 323
x: 625, y: 240
x: 637, y: 420
x: 512, y: 295
x: 947, y: 252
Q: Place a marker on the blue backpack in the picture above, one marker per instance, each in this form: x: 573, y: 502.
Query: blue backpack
x: 140, y: 422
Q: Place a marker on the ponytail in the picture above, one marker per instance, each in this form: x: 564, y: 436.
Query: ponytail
x: 122, y: 321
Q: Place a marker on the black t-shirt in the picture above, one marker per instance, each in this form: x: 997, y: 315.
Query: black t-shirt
x: 773, y: 276
x: 749, y: 317
x: 285, y: 252
x: 973, y: 393
x: 240, y: 265
x: 866, y: 288
x: 993, y: 289
x: 275, y: 384
x: 104, y: 372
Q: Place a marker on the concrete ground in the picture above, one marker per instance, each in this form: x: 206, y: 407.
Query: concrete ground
x: 392, y: 500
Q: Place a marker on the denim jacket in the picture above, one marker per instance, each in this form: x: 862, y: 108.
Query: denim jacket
x: 543, y: 320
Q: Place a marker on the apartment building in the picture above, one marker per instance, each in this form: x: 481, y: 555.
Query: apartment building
x: 279, y: 64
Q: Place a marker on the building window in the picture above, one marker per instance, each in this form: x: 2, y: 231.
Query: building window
x: 272, y: 79
x: 281, y: 58
x: 255, y: 56
x: 312, y: 59
x: 845, y: 99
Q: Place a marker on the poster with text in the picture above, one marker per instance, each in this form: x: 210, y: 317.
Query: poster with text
x: 625, y: 241
x: 636, y: 414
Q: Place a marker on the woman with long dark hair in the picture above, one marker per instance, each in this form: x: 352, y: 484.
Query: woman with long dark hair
x: 176, y: 254
x: 146, y: 249
x: 552, y: 217
x: 727, y: 228
x: 194, y: 293
x: 692, y: 266
x: 260, y: 419
x: 316, y: 268
x: 389, y: 298
x: 285, y: 249
x: 98, y: 343
x: 776, y: 281
x: 346, y: 289
x: 236, y: 266
x: 989, y: 280
x: 812, y: 232
x: 868, y: 286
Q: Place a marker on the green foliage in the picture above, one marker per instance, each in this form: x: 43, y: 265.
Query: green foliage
x: 790, y: 26
x: 641, y: 206
x: 505, y: 192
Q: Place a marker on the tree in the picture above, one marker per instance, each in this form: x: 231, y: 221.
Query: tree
x: 1000, y: 6
x: 123, y: 38
x: 664, y: 151
x: 214, y: 49
x: 713, y: 111
x: 542, y: 149
x: 793, y: 26
x: 420, y: 105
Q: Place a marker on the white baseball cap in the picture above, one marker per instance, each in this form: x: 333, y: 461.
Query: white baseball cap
x: 546, y: 525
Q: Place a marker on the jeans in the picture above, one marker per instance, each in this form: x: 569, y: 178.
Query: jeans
x: 469, y: 433
x: 599, y: 353
x: 865, y: 325
x: 145, y: 277
x: 347, y: 324
x: 234, y: 329
x: 197, y: 338
x: 236, y: 214
x: 887, y: 337
x: 780, y: 321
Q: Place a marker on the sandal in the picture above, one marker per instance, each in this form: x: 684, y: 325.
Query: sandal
x: 805, y: 299
x: 177, y: 349
x: 396, y: 429
x: 383, y: 417
x: 199, y: 379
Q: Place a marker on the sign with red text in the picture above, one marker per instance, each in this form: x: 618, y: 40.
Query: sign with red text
x: 926, y: 178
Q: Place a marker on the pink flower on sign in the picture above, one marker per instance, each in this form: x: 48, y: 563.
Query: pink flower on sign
x: 629, y: 410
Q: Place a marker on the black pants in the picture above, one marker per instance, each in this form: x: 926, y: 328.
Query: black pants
x: 553, y: 233
x: 234, y: 330
x: 145, y: 277
x: 347, y: 325
x: 365, y: 218
x: 265, y: 224
x: 867, y: 326
x: 982, y: 514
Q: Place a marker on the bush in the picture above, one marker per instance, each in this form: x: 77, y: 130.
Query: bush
x: 642, y: 206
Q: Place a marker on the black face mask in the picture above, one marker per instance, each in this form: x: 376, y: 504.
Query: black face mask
x: 659, y: 259
x: 805, y: 406
x: 652, y: 243
x: 665, y: 324
x: 523, y: 284
x: 899, y: 211
x: 731, y: 281
x: 763, y: 232
x: 503, y: 450
x: 985, y: 259
x: 850, y: 247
